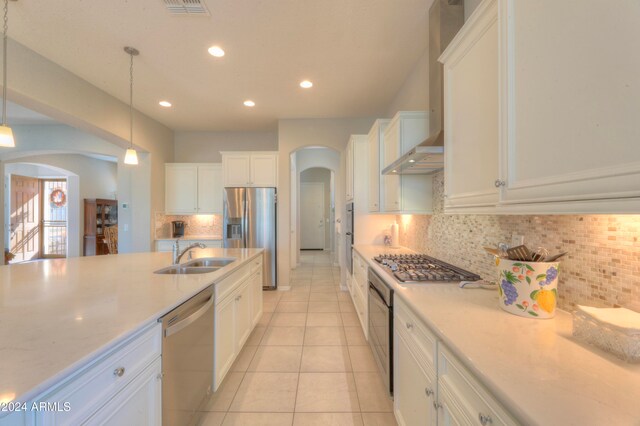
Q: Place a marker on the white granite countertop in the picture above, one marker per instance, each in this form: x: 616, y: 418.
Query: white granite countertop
x: 534, y: 367
x: 58, y: 315
x: 192, y: 238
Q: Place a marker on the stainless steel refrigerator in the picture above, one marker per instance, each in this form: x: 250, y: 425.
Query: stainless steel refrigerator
x: 250, y: 222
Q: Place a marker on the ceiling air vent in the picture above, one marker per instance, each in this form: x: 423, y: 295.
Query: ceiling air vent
x: 186, y: 7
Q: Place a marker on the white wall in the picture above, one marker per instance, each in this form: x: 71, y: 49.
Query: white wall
x: 469, y: 7
x: 323, y: 176
x: 45, y: 87
x: 414, y: 92
x: 205, y: 147
x: 95, y: 179
x: 294, y: 134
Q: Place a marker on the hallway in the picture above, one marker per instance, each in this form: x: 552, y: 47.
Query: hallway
x: 307, y: 362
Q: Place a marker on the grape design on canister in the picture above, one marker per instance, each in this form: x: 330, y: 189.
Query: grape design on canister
x: 510, y: 292
x: 552, y: 274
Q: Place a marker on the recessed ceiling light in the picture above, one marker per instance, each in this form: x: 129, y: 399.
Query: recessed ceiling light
x: 394, y: 171
x: 165, y: 104
x: 412, y: 161
x: 306, y: 84
x: 216, y: 51
x: 249, y: 103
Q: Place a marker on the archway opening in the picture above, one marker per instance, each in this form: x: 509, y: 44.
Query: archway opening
x: 40, y: 200
x: 314, y: 179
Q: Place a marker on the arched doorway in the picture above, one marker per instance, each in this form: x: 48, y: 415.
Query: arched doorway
x: 315, y: 209
x: 41, y: 201
x: 314, y: 171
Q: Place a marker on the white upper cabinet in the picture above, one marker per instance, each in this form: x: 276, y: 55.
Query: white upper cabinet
x: 193, y: 188
x: 349, y: 170
x: 471, y: 113
x: 209, y: 188
x: 236, y: 169
x: 565, y: 119
x: 356, y: 171
x: 255, y: 169
x: 405, y: 130
x: 181, y: 188
x: 405, y: 193
x: 376, y: 158
x: 264, y: 170
x: 569, y: 103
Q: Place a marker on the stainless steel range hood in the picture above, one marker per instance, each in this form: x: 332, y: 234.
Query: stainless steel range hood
x: 446, y: 17
x: 423, y: 159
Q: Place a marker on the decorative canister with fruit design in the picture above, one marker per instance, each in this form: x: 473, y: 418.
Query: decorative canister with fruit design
x: 528, y: 289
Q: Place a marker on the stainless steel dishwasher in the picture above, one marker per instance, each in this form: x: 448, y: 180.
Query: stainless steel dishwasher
x: 187, y: 359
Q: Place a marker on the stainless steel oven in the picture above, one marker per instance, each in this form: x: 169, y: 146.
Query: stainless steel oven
x: 349, y: 237
x: 381, y: 326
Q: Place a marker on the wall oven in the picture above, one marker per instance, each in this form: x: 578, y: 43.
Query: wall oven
x: 349, y: 238
x: 381, y: 326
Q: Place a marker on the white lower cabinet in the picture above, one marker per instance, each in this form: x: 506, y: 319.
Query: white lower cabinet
x: 225, y: 348
x: 244, y: 323
x: 413, y: 391
x: 238, y: 309
x: 462, y: 398
x: 139, y: 403
x: 359, y: 290
x: 123, y: 387
x: 431, y: 386
x: 256, y: 297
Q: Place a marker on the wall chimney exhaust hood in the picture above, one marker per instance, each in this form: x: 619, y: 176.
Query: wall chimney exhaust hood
x: 428, y: 157
x: 446, y: 17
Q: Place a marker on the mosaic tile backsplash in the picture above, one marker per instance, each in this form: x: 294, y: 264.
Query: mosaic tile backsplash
x: 197, y: 225
x: 602, y: 268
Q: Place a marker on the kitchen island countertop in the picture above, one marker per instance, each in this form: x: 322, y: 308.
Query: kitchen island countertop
x: 535, y: 368
x: 58, y: 315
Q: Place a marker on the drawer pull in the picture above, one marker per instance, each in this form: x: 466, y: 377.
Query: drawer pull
x: 409, y: 326
x: 437, y: 405
x: 485, y: 419
x: 119, y: 372
x: 428, y: 391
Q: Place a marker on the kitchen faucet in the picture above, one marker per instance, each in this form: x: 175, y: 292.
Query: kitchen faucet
x: 177, y: 254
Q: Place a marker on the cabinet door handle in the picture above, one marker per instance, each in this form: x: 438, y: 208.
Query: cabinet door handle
x: 409, y: 325
x: 437, y: 405
x: 119, y: 372
x: 485, y: 419
x: 428, y: 391
x: 498, y: 183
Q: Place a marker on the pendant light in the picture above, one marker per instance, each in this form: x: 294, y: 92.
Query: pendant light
x: 6, y: 134
x: 131, y: 157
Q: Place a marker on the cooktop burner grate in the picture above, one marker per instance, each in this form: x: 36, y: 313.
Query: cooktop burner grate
x: 420, y: 267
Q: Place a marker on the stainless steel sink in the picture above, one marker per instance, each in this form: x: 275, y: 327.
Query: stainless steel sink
x: 197, y: 266
x: 184, y: 269
x: 215, y: 262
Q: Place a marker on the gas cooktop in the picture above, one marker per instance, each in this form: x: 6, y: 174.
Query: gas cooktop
x: 408, y: 268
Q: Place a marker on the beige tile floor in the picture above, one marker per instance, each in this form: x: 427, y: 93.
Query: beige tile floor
x: 306, y: 363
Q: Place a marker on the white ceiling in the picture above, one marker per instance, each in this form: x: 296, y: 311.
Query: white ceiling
x: 357, y: 53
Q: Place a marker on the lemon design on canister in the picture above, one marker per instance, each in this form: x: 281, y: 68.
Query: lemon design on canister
x: 546, y: 300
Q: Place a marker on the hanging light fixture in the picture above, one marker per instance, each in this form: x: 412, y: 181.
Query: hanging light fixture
x: 6, y: 134
x: 131, y: 157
